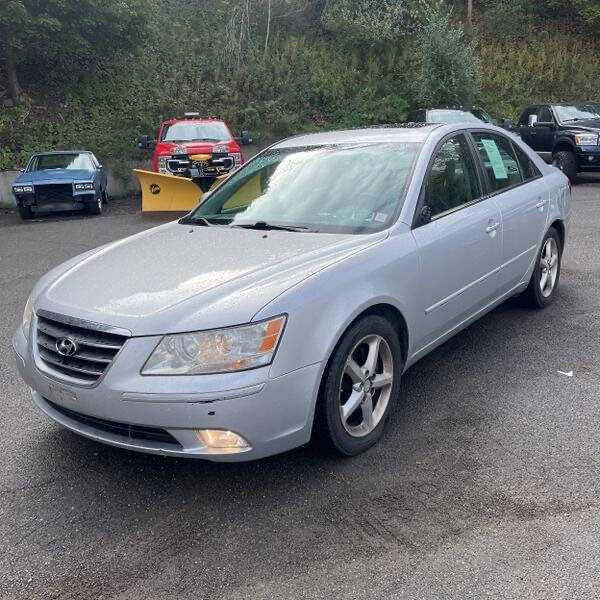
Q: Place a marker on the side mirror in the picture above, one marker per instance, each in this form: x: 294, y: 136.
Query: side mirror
x: 246, y: 138
x: 145, y: 142
x: 100, y: 167
x: 532, y: 120
x: 22, y: 170
x: 506, y: 124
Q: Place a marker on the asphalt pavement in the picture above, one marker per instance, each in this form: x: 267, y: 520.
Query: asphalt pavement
x: 486, y: 483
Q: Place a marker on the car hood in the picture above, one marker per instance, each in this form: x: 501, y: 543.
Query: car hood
x: 191, y: 147
x: 591, y: 125
x: 55, y: 176
x: 181, y: 278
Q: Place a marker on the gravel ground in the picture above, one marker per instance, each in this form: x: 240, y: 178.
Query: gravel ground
x: 486, y: 483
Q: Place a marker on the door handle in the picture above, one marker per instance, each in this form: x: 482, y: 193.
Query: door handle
x: 541, y: 203
x: 492, y: 227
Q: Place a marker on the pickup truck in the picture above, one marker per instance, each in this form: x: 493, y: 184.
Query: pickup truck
x: 193, y: 134
x: 564, y: 134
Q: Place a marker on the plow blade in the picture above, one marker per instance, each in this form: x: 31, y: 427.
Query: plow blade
x: 167, y: 192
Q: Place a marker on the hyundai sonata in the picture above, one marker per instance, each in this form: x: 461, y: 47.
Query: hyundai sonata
x: 291, y: 300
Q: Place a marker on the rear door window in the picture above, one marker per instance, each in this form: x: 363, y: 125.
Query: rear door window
x: 499, y: 160
x: 528, y: 169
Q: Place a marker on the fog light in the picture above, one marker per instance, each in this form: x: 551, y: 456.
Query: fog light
x: 221, y: 438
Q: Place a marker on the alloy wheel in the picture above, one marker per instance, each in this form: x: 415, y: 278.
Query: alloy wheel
x: 366, y: 385
x: 548, y: 267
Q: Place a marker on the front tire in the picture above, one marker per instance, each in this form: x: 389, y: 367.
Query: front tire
x: 359, y: 387
x: 544, y: 280
x: 25, y: 212
x: 95, y: 207
x: 567, y: 163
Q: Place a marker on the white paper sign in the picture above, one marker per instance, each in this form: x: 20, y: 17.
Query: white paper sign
x: 495, y: 159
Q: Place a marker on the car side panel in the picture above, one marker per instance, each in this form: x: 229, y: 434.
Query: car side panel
x: 385, y: 273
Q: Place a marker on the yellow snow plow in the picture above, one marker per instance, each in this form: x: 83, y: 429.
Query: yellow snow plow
x: 182, y: 191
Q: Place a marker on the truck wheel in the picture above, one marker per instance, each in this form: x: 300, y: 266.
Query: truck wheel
x: 25, y: 212
x: 567, y: 163
x: 95, y: 207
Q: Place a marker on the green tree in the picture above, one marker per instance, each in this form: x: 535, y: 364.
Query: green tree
x: 66, y: 31
x: 446, y: 62
x: 370, y: 20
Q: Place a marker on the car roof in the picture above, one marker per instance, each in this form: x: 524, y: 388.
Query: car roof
x: 406, y: 132
x: 49, y: 152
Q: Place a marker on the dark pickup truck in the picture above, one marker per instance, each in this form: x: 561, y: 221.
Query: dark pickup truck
x: 564, y: 134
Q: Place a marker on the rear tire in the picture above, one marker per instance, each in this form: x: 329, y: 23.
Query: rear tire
x: 25, y: 212
x: 544, y: 280
x: 567, y: 163
x: 95, y: 207
x: 360, y: 385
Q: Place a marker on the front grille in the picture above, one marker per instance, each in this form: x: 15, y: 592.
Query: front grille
x: 54, y: 193
x: 132, y: 432
x: 94, y: 350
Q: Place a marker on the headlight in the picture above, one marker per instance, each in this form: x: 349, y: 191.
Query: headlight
x: 162, y: 163
x: 237, y: 158
x: 586, y: 139
x: 27, y: 314
x: 179, y: 150
x: 18, y: 190
x: 216, y: 351
x: 28, y: 189
x: 84, y: 186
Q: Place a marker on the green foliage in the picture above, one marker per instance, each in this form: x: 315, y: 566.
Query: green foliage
x: 309, y: 80
x: 370, y: 20
x: 447, y: 64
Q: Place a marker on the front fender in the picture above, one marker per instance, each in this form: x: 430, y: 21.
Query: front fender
x: 321, y: 308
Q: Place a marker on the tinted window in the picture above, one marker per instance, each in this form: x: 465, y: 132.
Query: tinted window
x: 341, y: 188
x: 524, y: 120
x: 528, y: 169
x: 544, y: 115
x: 499, y: 160
x: 452, y: 179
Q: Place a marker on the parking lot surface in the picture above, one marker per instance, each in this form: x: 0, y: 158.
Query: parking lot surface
x: 486, y: 483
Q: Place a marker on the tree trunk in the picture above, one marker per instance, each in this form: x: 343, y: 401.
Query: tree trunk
x: 470, y: 12
x: 268, y: 25
x: 14, y: 87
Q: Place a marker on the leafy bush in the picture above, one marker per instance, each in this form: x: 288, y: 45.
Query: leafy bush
x: 447, y: 63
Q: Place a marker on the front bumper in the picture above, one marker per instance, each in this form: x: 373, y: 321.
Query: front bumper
x: 273, y: 415
x: 588, y: 158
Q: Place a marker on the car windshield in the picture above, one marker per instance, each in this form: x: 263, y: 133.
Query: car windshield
x: 334, y: 189
x: 194, y: 132
x: 578, y: 112
x: 44, y: 162
x: 452, y: 116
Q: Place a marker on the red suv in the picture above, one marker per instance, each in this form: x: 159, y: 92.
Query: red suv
x: 190, y: 136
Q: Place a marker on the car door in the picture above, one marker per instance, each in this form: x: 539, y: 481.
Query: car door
x: 543, y: 135
x: 458, y: 234
x: 518, y: 187
x: 526, y: 130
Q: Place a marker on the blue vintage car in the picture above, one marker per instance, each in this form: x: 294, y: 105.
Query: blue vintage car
x: 65, y: 180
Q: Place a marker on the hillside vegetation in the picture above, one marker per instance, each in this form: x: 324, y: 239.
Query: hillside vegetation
x: 323, y: 64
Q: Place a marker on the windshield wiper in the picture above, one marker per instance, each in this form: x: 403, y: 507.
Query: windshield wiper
x: 264, y: 226
x: 195, y: 221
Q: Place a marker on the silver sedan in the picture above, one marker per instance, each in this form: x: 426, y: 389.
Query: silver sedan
x: 289, y: 303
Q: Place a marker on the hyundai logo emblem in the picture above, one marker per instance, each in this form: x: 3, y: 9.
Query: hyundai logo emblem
x: 66, y: 346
